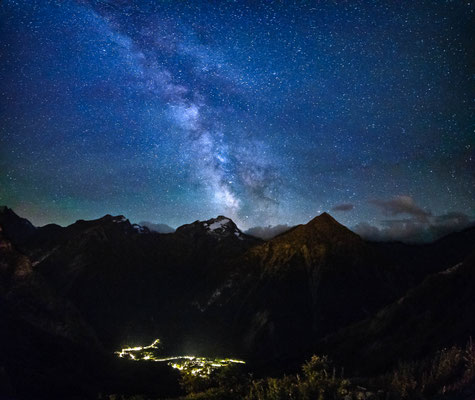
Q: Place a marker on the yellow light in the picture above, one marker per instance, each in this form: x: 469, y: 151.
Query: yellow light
x: 197, y: 366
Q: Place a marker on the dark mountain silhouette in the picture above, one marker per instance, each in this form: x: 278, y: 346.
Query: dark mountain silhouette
x: 131, y: 284
x: 415, y: 262
x: 437, y: 313
x: 43, y: 340
x: 26, y: 294
x: 209, y: 288
x: 305, y: 283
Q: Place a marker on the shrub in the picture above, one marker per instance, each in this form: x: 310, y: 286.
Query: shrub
x: 450, y: 370
x: 318, y: 382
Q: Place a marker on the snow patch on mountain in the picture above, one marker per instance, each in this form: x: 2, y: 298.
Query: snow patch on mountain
x: 140, y: 228
x: 222, y: 227
x: 218, y: 224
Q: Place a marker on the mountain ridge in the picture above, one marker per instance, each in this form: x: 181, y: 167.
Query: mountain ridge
x: 222, y: 289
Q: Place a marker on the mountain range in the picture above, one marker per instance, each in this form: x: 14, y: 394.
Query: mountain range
x: 78, y: 293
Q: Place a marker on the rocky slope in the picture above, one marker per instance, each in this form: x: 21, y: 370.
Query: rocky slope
x: 304, y: 284
x: 437, y: 313
x: 44, y: 340
x: 133, y: 285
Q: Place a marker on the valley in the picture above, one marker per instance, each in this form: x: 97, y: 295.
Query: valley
x: 198, y: 366
x: 232, y: 309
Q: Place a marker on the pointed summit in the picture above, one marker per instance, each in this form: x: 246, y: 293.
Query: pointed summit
x: 326, y: 222
x: 220, y: 227
x: 323, y: 218
x: 321, y: 229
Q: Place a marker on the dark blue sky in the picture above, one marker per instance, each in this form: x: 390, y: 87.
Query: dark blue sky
x: 268, y: 112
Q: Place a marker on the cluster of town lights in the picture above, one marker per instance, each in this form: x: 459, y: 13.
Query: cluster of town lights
x: 200, y: 366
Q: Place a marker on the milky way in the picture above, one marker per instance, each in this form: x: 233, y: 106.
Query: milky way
x: 267, y: 112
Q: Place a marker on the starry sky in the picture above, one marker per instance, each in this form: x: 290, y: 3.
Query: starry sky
x: 269, y: 112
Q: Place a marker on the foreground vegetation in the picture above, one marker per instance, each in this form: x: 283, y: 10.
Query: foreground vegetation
x: 449, y: 374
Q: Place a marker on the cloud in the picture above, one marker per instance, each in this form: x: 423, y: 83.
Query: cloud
x: 160, y: 228
x: 419, y: 225
x: 450, y: 222
x: 267, y: 232
x: 370, y: 232
x: 343, y: 207
x: 415, y: 230
x: 402, y: 205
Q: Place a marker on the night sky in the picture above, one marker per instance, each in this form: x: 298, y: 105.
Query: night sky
x: 268, y: 112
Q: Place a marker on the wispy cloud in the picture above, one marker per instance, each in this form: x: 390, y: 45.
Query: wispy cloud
x: 156, y: 227
x: 267, y: 232
x: 343, y: 207
x: 402, y: 205
x: 419, y: 225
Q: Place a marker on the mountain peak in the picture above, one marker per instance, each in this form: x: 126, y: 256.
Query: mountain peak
x: 220, y: 227
x: 325, y: 221
x: 324, y: 218
x: 4, y: 210
x: 218, y: 222
x: 321, y: 229
x: 328, y: 226
x: 114, y: 218
x: 112, y: 222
